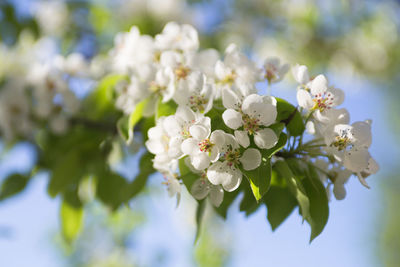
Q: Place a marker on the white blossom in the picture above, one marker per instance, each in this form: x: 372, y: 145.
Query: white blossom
x: 251, y: 117
x: 195, y: 93
x: 226, y: 170
x: 236, y: 72
x: 274, y: 71
x: 177, y: 37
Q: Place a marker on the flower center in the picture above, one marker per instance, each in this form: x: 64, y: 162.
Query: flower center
x: 197, y: 103
x: 205, y: 145
x: 322, y: 101
x: 270, y: 72
x: 181, y: 72
x: 156, y: 88
x: 185, y: 129
x: 229, y: 79
x: 342, y: 141
x: 166, y: 139
x: 251, y: 125
x: 232, y: 156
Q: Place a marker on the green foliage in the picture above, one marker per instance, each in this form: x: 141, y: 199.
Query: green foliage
x: 71, y: 221
x: 126, y: 124
x: 279, y: 201
x: 229, y: 197
x: 306, y: 187
x: 12, y: 25
x: 290, y: 116
x: 268, y: 153
x: 13, y: 185
x: 201, y: 208
x: 100, y: 103
x: 248, y: 205
x: 260, y: 179
x: 187, y: 176
x: 165, y: 109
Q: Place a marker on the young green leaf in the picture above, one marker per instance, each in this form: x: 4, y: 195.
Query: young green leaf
x: 101, y: 100
x: 71, y: 221
x: 165, y: 109
x: 319, y: 208
x: 295, y: 186
x: 126, y: 124
x: 279, y: 201
x: 290, y: 116
x: 201, y: 207
x: 259, y: 178
x: 248, y: 205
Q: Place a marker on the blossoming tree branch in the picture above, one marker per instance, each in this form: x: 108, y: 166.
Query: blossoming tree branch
x: 194, y: 116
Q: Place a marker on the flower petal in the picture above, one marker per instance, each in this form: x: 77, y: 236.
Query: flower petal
x: 242, y: 138
x: 200, y: 189
x: 216, y: 195
x: 217, y: 173
x: 232, y: 118
x: 234, y: 178
x: 319, y: 85
x: 356, y: 160
x: 230, y: 99
x: 189, y: 146
x: 265, y: 138
x: 199, y: 132
x: 251, y: 159
x: 200, y: 161
x: 300, y: 73
x: 304, y: 99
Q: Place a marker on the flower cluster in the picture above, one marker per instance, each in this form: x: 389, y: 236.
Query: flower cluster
x: 37, y: 88
x: 204, y: 87
x: 346, y: 144
x: 198, y: 113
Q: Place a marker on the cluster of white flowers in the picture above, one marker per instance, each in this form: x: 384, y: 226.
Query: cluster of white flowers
x: 221, y: 129
x: 347, y: 144
x: 37, y: 89
x: 170, y: 67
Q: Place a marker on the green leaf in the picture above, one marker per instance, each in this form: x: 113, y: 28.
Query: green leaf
x: 279, y: 201
x: 248, y: 205
x: 112, y: 189
x: 277, y: 128
x: 68, y: 170
x: 71, y: 221
x: 319, y: 208
x: 145, y: 170
x: 123, y: 129
x: 187, y: 176
x: 268, y: 153
x: 289, y: 115
x: 165, y: 109
x: 126, y: 124
x: 295, y: 186
x: 229, y: 197
x: 101, y: 100
x: 201, y: 207
x: 13, y: 185
x: 259, y: 178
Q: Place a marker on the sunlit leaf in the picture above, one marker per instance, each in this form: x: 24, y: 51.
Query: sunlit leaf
x: 71, y: 221
x: 259, y: 178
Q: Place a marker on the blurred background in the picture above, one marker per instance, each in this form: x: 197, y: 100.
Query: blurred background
x: 356, y: 43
